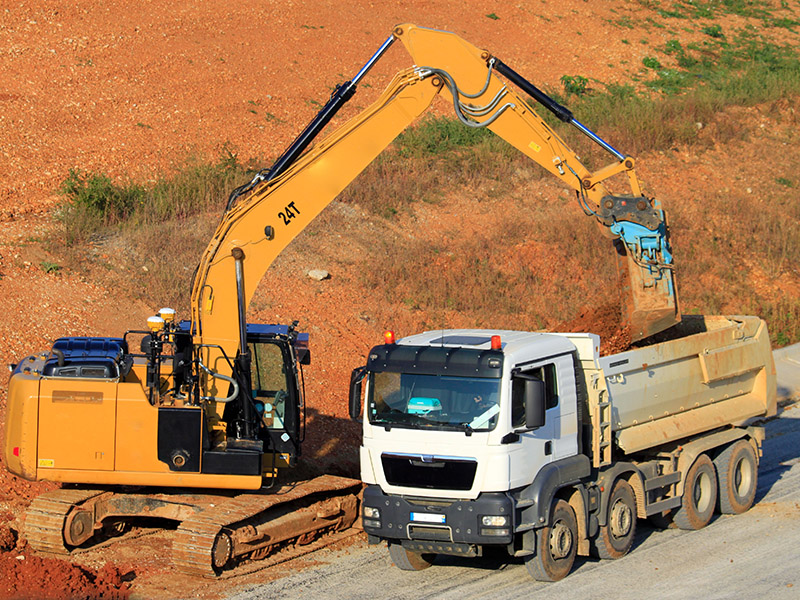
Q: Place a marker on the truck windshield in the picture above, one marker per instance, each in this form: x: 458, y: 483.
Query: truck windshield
x: 433, y: 401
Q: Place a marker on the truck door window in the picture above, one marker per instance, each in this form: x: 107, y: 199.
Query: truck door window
x: 546, y: 373
x: 270, y: 388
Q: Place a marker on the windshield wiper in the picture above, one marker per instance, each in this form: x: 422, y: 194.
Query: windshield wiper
x: 465, y: 427
x: 421, y: 423
x: 388, y: 424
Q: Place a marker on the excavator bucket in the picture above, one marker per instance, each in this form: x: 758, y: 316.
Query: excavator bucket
x: 650, y: 299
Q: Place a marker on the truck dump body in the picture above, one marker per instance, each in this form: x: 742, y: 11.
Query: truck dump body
x: 717, y: 371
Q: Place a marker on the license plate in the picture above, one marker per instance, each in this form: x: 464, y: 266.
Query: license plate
x: 427, y: 518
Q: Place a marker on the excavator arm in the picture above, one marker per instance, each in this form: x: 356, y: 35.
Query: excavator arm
x: 265, y: 215
x: 636, y: 223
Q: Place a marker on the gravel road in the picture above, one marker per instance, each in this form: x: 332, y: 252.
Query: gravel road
x: 755, y: 554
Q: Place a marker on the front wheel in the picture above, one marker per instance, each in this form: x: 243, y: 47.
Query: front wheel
x: 737, y: 472
x: 409, y: 561
x: 699, y: 495
x: 556, y: 545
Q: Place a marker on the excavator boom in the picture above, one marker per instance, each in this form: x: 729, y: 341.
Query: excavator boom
x: 264, y: 216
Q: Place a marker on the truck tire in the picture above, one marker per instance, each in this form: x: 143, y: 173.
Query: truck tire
x: 556, y: 545
x: 615, y: 538
x: 737, y: 472
x: 406, y: 560
x: 699, y: 495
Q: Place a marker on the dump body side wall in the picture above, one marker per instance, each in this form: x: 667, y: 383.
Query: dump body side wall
x: 721, y: 375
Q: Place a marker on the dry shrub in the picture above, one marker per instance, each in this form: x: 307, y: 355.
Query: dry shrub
x: 501, y: 276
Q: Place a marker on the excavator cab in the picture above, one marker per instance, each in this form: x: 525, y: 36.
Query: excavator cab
x: 275, y: 389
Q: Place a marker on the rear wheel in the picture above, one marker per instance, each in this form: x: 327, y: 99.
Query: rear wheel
x: 699, y: 495
x: 737, y: 472
x: 556, y: 545
x: 615, y: 538
x: 409, y: 561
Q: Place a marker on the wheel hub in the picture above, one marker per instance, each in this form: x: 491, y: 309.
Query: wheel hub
x: 742, y: 477
x: 560, y: 540
x: 79, y: 527
x: 620, y: 519
x: 702, y: 492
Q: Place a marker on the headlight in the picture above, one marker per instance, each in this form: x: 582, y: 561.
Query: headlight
x: 372, y: 513
x: 494, y: 521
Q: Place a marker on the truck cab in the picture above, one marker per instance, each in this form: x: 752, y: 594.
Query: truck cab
x: 447, y: 436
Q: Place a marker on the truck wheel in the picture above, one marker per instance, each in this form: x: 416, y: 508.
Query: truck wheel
x: 409, y: 561
x: 615, y: 539
x: 699, y: 495
x: 556, y: 545
x: 737, y: 471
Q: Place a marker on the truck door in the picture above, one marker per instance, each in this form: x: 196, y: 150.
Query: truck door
x: 558, y: 437
x: 562, y: 404
x: 536, y: 448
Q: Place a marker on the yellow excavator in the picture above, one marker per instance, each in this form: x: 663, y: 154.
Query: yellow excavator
x: 192, y: 420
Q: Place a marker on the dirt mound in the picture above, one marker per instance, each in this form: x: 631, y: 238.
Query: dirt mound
x: 605, y: 321
x: 24, y: 575
x: 8, y: 538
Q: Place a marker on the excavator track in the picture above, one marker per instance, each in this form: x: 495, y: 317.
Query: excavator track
x: 255, y: 525
x: 47, y: 514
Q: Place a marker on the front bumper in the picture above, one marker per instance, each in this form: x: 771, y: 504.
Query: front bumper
x: 439, y: 523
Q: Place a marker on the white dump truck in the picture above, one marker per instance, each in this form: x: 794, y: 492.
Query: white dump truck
x: 536, y: 443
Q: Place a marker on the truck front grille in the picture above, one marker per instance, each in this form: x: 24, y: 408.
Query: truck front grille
x: 433, y: 472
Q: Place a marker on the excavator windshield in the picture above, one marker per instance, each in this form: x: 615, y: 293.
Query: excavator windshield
x: 270, y: 385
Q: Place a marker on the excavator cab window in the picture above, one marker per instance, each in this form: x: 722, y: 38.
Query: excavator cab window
x: 270, y: 384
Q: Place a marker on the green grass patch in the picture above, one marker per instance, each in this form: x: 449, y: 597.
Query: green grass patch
x: 147, y: 237
x: 94, y: 201
x: 50, y: 267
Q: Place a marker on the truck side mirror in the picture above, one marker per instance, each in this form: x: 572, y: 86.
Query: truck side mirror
x: 534, y: 403
x: 356, y: 379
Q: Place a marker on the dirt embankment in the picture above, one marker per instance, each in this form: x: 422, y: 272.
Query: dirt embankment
x: 605, y: 321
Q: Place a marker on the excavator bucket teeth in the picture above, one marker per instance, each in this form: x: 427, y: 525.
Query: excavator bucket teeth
x: 651, y: 299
